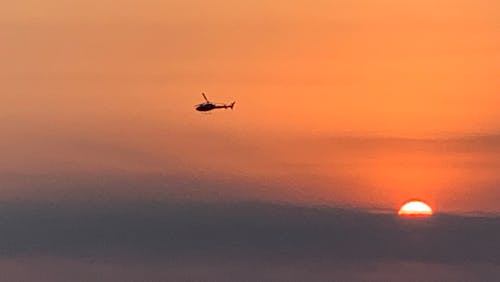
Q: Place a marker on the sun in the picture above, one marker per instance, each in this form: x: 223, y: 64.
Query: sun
x: 415, y: 208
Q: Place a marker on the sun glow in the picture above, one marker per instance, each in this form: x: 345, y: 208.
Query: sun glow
x: 416, y: 208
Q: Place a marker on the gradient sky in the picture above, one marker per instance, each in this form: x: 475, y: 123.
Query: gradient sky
x: 358, y: 103
x: 344, y: 110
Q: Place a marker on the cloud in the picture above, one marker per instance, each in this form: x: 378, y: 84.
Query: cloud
x: 244, y: 230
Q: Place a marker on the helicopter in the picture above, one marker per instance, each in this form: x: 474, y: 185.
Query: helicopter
x: 208, y: 106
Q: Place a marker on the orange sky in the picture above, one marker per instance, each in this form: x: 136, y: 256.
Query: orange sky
x: 96, y: 86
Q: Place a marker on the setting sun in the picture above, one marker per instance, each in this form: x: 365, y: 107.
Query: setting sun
x: 415, y: 207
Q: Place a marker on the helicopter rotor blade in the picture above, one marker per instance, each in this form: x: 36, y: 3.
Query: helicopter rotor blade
x: 204, y: 96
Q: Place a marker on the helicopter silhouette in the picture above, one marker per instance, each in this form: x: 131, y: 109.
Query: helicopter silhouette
x: 208, y: 106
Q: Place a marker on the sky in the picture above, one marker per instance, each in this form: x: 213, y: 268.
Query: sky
x: 102, y: 90
x: 358, y: 105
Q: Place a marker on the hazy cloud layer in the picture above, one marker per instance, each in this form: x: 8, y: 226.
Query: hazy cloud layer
x: 245, y: 230
x: 452, y: 174
x: 253, y: 241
